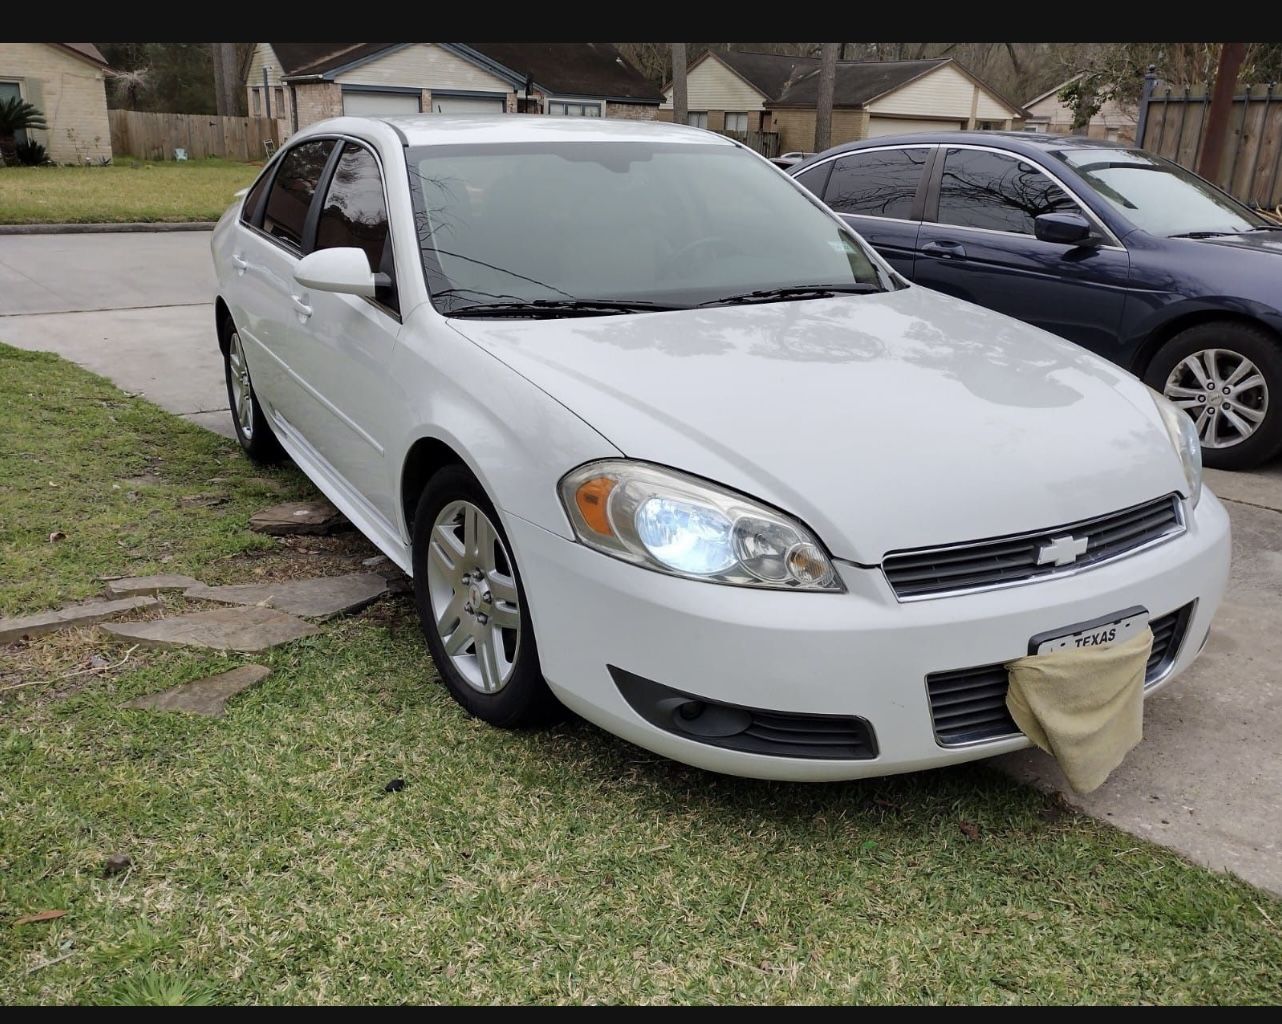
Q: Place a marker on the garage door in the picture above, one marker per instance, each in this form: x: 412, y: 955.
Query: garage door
x: 467, y: 105
x: 878, y: 126
x: 380, y: 104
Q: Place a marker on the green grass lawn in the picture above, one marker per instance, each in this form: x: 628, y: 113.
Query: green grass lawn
x: 269, y: 865
x: 125, y: 191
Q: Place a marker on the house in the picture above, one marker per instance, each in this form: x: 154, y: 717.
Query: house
x: 312, y: 81
x: 67, y: 83
x: 1048, y: 113
x: 778, y: 92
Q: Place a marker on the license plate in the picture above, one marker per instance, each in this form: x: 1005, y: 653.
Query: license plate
x: 1106, y: 631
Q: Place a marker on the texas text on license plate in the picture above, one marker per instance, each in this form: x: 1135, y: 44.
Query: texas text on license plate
x: 1105, y: 631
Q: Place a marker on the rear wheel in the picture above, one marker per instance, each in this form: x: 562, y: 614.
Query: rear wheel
x: 1228, y: 378
x: 252, y: 429
x: 472, y: 606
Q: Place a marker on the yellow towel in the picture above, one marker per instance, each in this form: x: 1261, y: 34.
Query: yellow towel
x: 1084, y: 706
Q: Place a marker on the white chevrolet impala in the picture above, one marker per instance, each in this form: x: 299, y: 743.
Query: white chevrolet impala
x: 661, y: 440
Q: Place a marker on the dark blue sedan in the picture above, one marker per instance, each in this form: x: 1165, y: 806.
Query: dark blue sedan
x: 1111, y: 247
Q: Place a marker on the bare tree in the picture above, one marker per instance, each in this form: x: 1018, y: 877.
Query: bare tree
x: 226, y: 81
x: 680, y: 111
x: 823, y: 106
x: 1217, y: 118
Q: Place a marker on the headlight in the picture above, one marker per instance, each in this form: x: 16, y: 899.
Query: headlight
x: 682, y: 526
x: 1184, y: 436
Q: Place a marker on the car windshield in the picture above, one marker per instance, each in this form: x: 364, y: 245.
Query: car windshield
x: 1157, y: 195
x: 606, y: 227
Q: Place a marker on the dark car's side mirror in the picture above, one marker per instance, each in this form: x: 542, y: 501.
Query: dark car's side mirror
x: 1063, y: 229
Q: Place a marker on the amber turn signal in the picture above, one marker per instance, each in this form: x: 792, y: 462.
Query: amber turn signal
x: 591, y: 498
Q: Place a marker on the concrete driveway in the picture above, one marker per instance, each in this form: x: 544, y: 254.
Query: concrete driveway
x: 1206, y: 781
x: 136, y: 308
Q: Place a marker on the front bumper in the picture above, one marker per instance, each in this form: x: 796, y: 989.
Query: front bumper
x: 860, y: 653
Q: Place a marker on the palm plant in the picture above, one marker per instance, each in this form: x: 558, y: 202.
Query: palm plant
x: 16, y: 115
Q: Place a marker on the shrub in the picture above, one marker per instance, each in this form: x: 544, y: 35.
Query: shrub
x: 31, y: 154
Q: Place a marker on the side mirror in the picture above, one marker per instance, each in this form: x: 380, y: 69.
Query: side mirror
x: 343, y: 270
x: 1063, y: 229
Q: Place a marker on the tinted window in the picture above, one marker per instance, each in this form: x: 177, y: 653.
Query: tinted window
x: 814, y: 178
x: 882, y: 183
x: 292, y: 191
x: 982, y: 189
x: 355, y: 211
x: 249, y: 211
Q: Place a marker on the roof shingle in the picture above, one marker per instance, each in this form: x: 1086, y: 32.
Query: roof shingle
x: 857, y: 82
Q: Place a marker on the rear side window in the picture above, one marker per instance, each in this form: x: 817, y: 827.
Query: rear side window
x: 250, y: 211
x: 355, y: 214
x: 292, y: 190
x: 983, y: 189
x: 878, y: 183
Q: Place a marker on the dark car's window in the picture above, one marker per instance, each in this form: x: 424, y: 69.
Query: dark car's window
x: 250, y: 211
x: 879, y: 183
x: 983, y: 189
x: 814, y: 177
x: 355, y: 213
x: 292, y: 191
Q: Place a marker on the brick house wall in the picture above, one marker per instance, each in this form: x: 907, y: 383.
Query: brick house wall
x: 633, y: 111
x: 71, y: 93
x: 796, y: 128
x: 319, y: 100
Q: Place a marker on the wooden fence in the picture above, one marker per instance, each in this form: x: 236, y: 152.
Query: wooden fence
x: 149, y: 136
x: 1173, y: 122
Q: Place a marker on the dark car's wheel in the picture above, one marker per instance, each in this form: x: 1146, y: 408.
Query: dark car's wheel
x: 1228, y: 377
x: 252, y: 429
x: 472, y: 606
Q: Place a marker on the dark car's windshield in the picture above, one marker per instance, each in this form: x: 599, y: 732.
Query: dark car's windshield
x: 602, y: 227
x: 1157, y: 195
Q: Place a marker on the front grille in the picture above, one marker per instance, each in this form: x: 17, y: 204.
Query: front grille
x: 929, y: 572
x: 751, y: 730
x: 969, y: 704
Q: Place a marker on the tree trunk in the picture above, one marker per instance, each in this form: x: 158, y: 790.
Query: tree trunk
x: 226, y: 79
x: 680, y: 112
x: 1217, y: 117
x: 8, y: 149
x: 823, y: 106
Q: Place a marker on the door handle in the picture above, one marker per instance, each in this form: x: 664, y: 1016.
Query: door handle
x: 945, y: 250
x: 301, y: 307
x: 239, y: 262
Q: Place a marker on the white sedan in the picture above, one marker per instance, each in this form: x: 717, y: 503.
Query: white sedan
x: 662, y: 441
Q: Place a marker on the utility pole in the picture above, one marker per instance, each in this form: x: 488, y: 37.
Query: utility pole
x: 1217, y: 117
x: 680, y: 112
x: 823, y: 106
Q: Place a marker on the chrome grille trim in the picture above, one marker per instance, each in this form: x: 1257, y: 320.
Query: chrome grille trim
x: 922, y: 574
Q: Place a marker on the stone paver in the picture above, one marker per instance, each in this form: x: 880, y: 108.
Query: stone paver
x: 224, y: 629
x: 293, y: 517
x: 207, y: 696
x: 65, y: 618
x: 163, y: 583
x: 320, y: 598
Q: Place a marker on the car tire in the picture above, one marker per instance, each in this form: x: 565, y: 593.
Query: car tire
x: 252, y: 429
x: 1216, y: 353
x: 472, y: 605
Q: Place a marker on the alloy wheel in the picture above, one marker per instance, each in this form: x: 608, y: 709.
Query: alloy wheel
x: 472, y: 588
x: 1223, y: 391
x: 242, y: 392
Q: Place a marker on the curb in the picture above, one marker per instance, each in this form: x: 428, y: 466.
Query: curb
x: 102, y: 229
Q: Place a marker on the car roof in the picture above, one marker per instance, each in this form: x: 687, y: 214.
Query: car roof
x: 464, y: 129
x: 1028, y: 143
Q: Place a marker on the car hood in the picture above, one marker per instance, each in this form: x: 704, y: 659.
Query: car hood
x: 884, y: 421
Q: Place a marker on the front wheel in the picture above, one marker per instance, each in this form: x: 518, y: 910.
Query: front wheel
x: 472, y: 606
x: 1228, y: 378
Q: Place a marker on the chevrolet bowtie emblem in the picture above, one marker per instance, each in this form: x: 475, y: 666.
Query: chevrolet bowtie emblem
x: 1062, y: 550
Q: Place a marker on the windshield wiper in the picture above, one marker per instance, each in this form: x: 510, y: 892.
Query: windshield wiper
x: 811, y: 291
x: 1204, y: 234
x: 549, y: 308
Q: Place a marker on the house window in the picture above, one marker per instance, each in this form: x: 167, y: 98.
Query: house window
x: 278, y: 101
x: 257, y: 93
x: 990, y: 126
x: 9, y: 90
x: 737, y: 123
x: 563, y: 108
x: 697, y: 119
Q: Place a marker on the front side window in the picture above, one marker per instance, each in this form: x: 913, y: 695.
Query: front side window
x: 654, y: 223
x: 878, y: 183
x: 697, y: 119
x: 354, y: 214
x: 293, y: 189
x: 1157, y: 195
x: 737, y: 123
x: 997, y: 192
